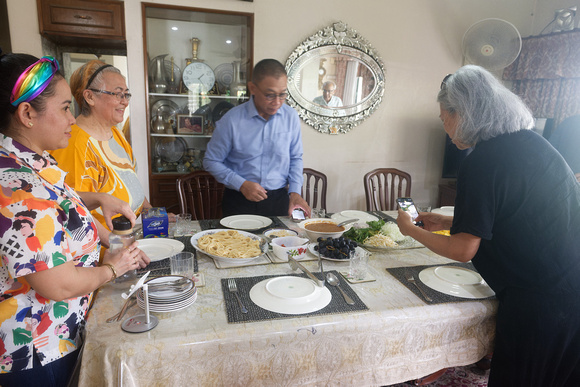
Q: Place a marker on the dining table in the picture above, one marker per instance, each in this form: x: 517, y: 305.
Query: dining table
x: 395, y: 335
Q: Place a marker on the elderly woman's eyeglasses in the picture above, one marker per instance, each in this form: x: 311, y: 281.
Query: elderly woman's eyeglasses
x: 119, y: 94
x: 445, y: 80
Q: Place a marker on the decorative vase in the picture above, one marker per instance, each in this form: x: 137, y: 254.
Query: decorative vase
x: 159, y: 75
x: 237, y: 87
x: 158, y: 124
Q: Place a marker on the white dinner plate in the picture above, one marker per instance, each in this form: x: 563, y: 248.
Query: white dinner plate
x: 167, y: 294
x: 301, y: 300
x: 315, y: 253
x: 456, y: 281
x: 168, y: 307
x: 263, y: 245
x: 246, y: 222
x: 362, y: 217
x: 160, y: 248
x: 293, y: 289
x: 445, y: 210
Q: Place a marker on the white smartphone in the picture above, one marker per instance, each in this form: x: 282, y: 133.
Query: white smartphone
x: 407, y: 205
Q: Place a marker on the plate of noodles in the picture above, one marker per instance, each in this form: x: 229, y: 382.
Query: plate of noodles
x: 231, y: 246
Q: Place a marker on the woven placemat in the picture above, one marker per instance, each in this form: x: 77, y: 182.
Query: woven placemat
x: 437, y: 297
x: 255, y: 313
x: 163, y: 267
x: 210, y: 224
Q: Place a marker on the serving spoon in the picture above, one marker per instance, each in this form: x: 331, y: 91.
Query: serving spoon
x: 333, y: 280
x: 345, y: 222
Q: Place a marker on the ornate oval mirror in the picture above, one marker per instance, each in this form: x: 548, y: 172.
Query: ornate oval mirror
x: 335, y: 79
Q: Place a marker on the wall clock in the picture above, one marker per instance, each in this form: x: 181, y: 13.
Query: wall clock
x: 198, y: 73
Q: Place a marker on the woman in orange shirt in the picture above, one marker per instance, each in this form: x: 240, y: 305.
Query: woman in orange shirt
x: 98, y: 157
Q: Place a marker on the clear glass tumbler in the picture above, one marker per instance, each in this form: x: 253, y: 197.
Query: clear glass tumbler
x: 182, y: 224
x: 358, y: 265
x: 182, y: 264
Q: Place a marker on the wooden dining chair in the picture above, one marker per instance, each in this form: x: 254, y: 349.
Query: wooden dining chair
x: 200, y: 195
x: 383, y: 186
x: 314, y: 188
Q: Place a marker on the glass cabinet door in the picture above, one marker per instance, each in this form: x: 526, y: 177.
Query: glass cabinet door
x: 198, y: 63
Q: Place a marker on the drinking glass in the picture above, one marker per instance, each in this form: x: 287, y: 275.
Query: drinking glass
x: 182, y: 264
x: 358, y: 265
x: 182, y: 224
x: 318, y: 213
x: 423, y: 208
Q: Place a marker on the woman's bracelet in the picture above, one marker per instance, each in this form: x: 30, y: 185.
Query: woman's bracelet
x: 113, y: 270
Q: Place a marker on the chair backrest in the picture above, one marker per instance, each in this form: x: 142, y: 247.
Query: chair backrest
x: 200, y: 195
x: 383, y: 186
x: 314, y: 188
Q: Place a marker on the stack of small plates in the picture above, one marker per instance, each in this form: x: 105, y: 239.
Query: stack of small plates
x: 168, y: 300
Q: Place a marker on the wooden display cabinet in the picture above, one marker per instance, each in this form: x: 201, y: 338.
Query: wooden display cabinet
x: 197, y: 63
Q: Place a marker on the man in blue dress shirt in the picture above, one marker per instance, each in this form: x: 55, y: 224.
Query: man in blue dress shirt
x: 256, y: 149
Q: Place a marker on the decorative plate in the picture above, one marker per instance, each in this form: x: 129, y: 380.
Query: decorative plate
x: 224, y: 75
x: 170, y: 149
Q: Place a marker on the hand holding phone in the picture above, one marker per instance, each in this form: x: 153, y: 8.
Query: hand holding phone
x: 407, y: 205
x: 298, y: 215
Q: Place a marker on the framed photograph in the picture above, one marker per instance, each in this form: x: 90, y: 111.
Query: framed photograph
x: 190, y: 124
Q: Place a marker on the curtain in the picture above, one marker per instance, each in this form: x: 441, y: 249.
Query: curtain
x: 546, y: 74
x: 350, y: 83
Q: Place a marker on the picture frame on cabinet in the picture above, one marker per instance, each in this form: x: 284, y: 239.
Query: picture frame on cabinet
x: 190, y: 124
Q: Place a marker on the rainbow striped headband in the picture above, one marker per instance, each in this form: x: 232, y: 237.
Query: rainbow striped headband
x: 34, y: 80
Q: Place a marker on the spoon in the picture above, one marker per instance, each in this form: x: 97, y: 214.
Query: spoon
x: 345, y: 222
x: 332, y: 280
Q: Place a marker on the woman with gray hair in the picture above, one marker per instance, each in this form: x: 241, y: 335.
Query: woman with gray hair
x: 517, y: 216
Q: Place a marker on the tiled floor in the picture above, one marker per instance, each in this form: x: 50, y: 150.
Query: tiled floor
x: 468, y: 376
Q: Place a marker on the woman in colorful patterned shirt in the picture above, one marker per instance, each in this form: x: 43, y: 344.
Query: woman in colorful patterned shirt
x: 98, y: 157
x: 48, y: 239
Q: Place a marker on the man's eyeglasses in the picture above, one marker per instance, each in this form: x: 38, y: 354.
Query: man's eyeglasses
x: 273, y: 96
x: 445, y: 80
x: 119, y: 94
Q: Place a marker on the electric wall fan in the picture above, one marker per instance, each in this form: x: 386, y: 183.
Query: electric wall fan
x: 492, y: 44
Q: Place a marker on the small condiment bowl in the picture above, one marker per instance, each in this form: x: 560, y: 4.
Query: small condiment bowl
x: 314, y: 235
x: 279, y: 233
x: 293, y: 245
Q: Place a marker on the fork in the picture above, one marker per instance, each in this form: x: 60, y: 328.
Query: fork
x: 234, y: 289
x: 412, y: 280
x: 126, y: 306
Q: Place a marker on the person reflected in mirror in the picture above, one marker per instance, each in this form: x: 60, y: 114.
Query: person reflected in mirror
x: 49, y: 243
x: 256, y: 149
x: 517, y: 218
x: 566, y: 140
x: 98, y: 157
x: 328, y: 99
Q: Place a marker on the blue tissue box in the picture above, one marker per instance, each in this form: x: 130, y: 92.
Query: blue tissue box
x: 155, y: 223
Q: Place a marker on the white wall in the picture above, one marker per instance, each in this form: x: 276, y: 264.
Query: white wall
x: 418, y: 40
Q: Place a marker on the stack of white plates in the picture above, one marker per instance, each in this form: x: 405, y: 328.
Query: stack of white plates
x: 168, y: 299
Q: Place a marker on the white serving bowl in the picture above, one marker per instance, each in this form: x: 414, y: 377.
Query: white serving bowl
x: 293, y: 245
x: 314, y: 235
